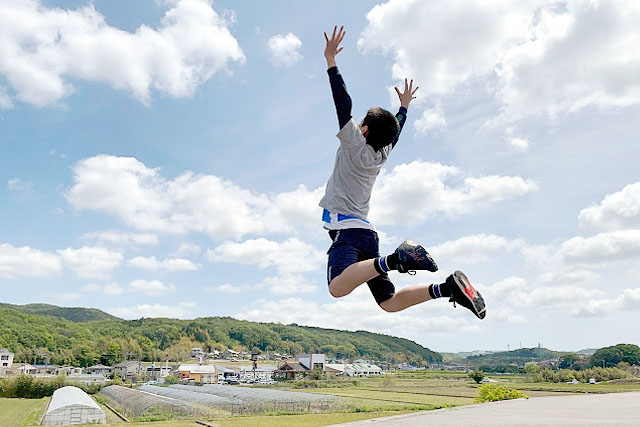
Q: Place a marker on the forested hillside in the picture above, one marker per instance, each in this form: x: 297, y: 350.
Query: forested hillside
x: 80, y: 342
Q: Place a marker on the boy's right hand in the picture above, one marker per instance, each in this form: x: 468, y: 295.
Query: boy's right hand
x: 332, y: 48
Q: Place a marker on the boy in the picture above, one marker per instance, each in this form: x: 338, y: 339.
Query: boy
x: 353, y: 256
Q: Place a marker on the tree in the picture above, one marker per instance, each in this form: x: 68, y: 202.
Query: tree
x: 611, y: 356
x: 477, y: 376
x: 568, y: 361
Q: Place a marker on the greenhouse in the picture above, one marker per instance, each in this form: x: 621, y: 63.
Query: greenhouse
x: 71, y: 405
x: 190, y: 396
x: 254, y: 395
x: 137, y: 403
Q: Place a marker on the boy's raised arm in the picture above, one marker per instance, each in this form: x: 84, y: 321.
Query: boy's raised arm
x: 341, y: 98
x: 405, y: 99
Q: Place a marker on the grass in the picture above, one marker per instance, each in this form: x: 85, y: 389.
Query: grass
x: 21, y: 412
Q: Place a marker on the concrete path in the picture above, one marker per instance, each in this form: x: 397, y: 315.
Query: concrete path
x: 613, y: 409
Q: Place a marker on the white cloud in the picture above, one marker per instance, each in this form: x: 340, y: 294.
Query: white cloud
x: 44, y: 49
x: 151, y: 287
x: 5, y: 99
x: 182, y: 310
x: 538, y: 56
x: 142, y: 198
x: 187, y: 249
x: 27, y: 262
x: 412, y: 193
x: 431, y: 120
x: 628, y: 300
x: 120, y: 238
x: 168, y: 264
x: 617, y: 211
x: 475, y: 248
x: 289, y: 256
x: 111, y: 289
x: 519, y: 144
x: 601, y: 248
x: 286, y: 284
x: 284, y: 49
x: 91, y: 262
x: 16, y: 184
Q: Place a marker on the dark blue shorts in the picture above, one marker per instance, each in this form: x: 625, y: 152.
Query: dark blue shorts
x: 353, y: 245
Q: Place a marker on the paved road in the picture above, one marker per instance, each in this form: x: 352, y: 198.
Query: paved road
x: 614, y: 409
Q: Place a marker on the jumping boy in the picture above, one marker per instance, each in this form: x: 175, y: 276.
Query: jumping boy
x: 354, y: 257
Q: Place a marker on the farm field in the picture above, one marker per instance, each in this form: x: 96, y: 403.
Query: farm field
x: 21, y: 412
x: 364, y: 397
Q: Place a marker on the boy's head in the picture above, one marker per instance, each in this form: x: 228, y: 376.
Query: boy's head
x: 381, y: 127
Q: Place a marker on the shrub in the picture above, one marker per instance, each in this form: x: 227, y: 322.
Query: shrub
x: 493, y: 393
x: 171, y: 379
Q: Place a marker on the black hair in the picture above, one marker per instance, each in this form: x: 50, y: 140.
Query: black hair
x: 383, y: 127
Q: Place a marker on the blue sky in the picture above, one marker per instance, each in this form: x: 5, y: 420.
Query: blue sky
x: 165, y: 158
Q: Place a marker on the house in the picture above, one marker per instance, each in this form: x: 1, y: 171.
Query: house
x: 45, y: 369
x: 312, y: 361
x: 6, y: 360
x: 230, y: 354
x: 68, y: 370
x: 225, y: 374
x: 128, y: 369
x: 362, y: 370
x: 86, y: 379
x: 262, y: 373
x: 100, y: 369
x: 196, y: 352
x: 291, y: 371
x: 25, y: 368
x: 203, y: 374
x: 158, y: 370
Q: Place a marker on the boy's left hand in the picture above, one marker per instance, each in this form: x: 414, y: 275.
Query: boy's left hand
x: 407, y: 96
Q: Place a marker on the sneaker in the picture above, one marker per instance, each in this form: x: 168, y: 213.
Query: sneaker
x: 466, y: 295
x: 413, y: 257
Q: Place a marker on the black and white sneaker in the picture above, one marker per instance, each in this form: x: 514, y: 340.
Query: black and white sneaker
x: 412, y: 256
x: 466, y: 295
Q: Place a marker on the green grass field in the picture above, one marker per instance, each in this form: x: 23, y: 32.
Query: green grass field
x: 21, y: 412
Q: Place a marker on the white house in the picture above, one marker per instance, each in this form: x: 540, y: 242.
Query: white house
x: 362, y: 370
x: 100, y: 370
x: 312, y: 361
x: 6, y: 360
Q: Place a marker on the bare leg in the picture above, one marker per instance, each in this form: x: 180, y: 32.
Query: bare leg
x: 352, y: 277
x: 406, y: 297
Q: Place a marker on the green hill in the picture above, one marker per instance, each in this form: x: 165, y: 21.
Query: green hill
x: 83, y: 341
x: 74, y: 314
x: 519, y: 356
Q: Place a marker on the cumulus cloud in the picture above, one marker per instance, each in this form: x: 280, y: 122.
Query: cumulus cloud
x: 187, y: 249
x: 475, y: 248
x: 617, y: 211
x: 431, y: 120
x: 282, y: 285
x: 601, y: 248
x: 283, y: 50
x: 121, y: 238
x: 5, y: 99
x: 628, y: 300
x: 183, y: 310
x: 27, y: 262
x: 151, y: 287
x: 519, y: 144
x: 110, y: 289
x: 289, y: 256
x: 142, y: 198
x: 412, y: 193
x: 539, y: 56
x: 44, y: 49
x: 90, y: 262
x: 168, y: 264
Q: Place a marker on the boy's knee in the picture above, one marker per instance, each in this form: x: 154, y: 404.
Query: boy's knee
x: 334, y: 289
x: 388, y: 306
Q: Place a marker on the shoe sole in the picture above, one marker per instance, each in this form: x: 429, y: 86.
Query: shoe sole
x: 421, y: 253
x: 474, y: 297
